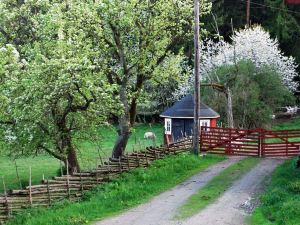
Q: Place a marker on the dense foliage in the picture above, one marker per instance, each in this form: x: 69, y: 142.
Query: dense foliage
x: 252, y: 57
x: 52, y: 84
x: 280, y: 19
x: 255, y: 93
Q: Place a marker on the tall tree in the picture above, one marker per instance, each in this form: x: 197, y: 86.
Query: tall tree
x: 52, y: 83
x: 141, y: 38
x: 252, y: 44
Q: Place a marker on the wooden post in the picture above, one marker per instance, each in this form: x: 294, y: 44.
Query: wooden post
x: 147, y: 159
x: 248, y: 13
x: 5, y: 196
x: 287, y: 143
x: 260, y: 143
x: 96, y: 173
x: 197, y: 77
x: 81, y: 183
x: 127, y: 157
x: 17, y: 172
x: 137, y: 159
x: 68, y: 182
x: 109, y: 170
x: 30, y: 194
x: 48, y: 192
x: 61, y: 169
x: 120, y: 165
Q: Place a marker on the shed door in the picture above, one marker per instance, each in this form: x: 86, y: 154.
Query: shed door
x: 188, y: 127
x: 177, y: 129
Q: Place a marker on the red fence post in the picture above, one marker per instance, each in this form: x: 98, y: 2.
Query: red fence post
x: 287, y: 142
x: 201, y: 139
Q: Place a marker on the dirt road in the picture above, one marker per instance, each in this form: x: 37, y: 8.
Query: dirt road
x: 237, y: 202
x: 160, y: 210
x: 231, y: 208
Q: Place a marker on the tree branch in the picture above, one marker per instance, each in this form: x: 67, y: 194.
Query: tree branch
x: 54, y: 154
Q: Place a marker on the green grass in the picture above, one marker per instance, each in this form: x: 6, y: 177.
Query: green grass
x: 293, y: 124
x: 280, y: 203
x: 215, y: 188
x: 129, y: 190
x: 88, y: 156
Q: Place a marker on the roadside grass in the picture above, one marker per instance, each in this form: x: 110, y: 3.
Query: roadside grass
x: 280, y: 202
x: 293, y: 124
x: 215, y: 188
x: 88, y: 155
x: 125, y: 192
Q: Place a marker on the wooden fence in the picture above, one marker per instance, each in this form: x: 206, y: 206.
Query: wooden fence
x: 73, y: 186
x: 255, y: 142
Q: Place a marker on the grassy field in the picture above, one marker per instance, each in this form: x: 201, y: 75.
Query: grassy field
x: 280, y: 203
x: 215, y: 188
x: 129, y: 190
x: 88, y: 156
x: 293, y: 124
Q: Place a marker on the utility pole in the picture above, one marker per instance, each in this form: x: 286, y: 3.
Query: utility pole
x: 248, y: 13
x: 197, y: 79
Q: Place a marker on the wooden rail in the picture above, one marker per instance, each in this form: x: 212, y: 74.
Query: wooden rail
x: 73, y: 186
x: 255, y: 142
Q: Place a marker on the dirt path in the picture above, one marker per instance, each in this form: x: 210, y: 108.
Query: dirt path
x: 160, y: 210
x: 238, y: 201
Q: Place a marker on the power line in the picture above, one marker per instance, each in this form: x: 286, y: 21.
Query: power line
x: 272, y: 7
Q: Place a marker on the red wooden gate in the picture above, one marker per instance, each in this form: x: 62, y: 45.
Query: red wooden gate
x: 255, y: 142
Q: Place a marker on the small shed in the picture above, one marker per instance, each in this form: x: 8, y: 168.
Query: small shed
x: 179, y: 119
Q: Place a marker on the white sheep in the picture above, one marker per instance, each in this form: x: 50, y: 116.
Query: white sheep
x: 149, y: 135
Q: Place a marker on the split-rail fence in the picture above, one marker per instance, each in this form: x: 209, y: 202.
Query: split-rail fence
x: 73, y: 186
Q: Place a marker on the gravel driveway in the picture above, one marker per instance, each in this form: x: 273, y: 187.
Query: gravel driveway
x: 230, y: 209
x: 160, y: 210
x: 237, y: 202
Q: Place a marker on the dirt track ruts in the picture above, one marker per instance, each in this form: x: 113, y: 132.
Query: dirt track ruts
x: 160, y: 210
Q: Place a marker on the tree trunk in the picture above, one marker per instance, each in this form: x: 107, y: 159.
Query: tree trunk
x: 66, y: 147
x: 122, y: 139
x: 124, y: 125
x: 72, y: 160
x: 229, y: 108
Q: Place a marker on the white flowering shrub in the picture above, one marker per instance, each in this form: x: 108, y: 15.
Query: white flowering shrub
x: 252, y: 44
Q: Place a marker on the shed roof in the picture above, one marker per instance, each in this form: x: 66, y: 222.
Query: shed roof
x: 185, y: 109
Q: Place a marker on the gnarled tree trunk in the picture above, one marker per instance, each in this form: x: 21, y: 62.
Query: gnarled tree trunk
x: 123, y: 137
x: 125, y: 125
x: 229, y: 108
x: 65, y: 146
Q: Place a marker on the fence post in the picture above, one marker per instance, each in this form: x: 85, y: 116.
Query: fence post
x: 95, y: 174
x: 127, y: 157
x: 5, y: 196
x: 200, y: 139
x: 81, y: 183
x: 120, y: 164
x: 30, y: 194
x: 17, y: 172
x: 260, y: 134
x: 287, y: 143
x: 48, y: 191
x: 68, y: 187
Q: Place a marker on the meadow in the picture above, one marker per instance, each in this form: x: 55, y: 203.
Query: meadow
x: 89, y: 155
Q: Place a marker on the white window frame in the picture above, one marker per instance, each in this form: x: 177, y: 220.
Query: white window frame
x: 204, y: 123
x: 168, y: 126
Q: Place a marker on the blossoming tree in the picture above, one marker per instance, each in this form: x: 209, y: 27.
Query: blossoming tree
x: 251, y: 44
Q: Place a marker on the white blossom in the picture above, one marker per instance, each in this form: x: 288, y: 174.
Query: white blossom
x: 254, y: 44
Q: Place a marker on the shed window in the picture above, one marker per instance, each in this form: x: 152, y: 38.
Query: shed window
x: 167, y: 126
